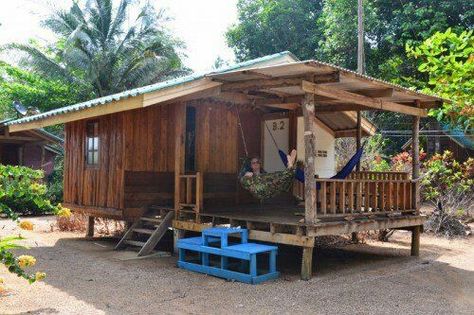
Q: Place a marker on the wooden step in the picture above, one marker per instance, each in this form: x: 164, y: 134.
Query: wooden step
x: 143, y: 231
x: 152, y: 207
x: 153, y: 220
x: 134, y: 243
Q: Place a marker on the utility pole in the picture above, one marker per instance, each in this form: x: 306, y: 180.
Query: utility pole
x: 360, y: 37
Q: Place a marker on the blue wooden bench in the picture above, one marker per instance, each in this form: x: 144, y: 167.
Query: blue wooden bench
x: 215, y: 241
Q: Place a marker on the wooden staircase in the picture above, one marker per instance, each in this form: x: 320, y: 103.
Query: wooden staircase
x: 153, y: 224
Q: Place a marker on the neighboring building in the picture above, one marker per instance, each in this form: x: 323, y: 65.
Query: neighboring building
x: 440, y: 137
x: 34, y: 148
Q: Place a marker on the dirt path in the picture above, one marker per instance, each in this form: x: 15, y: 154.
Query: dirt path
x: 87, y: 277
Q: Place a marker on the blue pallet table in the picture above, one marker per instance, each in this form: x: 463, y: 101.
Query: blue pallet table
x: 208, y: 244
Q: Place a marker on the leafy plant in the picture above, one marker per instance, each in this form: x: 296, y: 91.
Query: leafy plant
x: 55, y: 180
x: 22, y: 192
x: 449, y: 185
x: 98, y: 49
x: 17, y: 265
x: 448, y: 60
x: 379, y: 165
x: 31, y: 89
x: 403, y: 161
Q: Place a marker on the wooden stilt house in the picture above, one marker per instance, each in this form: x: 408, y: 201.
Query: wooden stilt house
x: 177, y: 146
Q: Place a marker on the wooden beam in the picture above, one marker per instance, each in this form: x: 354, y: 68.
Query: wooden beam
x: 336, y: 228
x: 282, y: 100
x: 17, y: 139
x: 377, y: 93
x: 345, y: 133
x: 287, y: 106
x: 340, y: 108
x: 99, y: 110
x: 256, y: 84
x: 180, y: 90
x: 349, y: 97
x: 310, y: 155
x: 256, y: 73
x: 112, y: 213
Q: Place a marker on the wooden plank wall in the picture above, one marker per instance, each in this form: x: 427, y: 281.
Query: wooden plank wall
x: 216, y: 134
x: 138, y: 140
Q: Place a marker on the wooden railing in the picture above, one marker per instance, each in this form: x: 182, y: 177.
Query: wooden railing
x: 336, y: 197
x: 363, y: 193
x: 189, y: 198
x: 378, y: 175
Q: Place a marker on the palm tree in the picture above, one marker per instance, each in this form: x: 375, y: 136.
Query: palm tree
x: 98, y: 49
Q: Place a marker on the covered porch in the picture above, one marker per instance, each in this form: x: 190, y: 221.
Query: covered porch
x: 321, y: 206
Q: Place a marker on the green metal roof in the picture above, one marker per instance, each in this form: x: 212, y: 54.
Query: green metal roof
x: 145, y: 89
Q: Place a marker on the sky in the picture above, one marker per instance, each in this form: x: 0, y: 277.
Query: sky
x: 201, y: 24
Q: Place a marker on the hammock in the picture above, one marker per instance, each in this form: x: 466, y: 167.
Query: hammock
x: 342, y: 174
x: 268, y: 185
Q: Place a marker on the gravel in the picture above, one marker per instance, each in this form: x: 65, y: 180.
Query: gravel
x: 88, y: 277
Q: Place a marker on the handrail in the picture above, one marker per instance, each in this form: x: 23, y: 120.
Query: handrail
x: 358, y: 196
x: 190, y: 194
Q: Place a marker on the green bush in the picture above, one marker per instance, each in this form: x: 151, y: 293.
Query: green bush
x: 22, y: 192
x: 449, y: 186
x: 55, y: 180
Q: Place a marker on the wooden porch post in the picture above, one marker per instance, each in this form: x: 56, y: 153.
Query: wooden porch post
x: 43, y: 156
x: 90, y: 226
x: 359, y: 135
x: 416, y: 161
x: 180, y: 121
x: 355, y: 236
x: 415, y: 234
x: 21, y: 149
x: 310, y: 181
x: 307, y: 263
x: 310, y: 153
x: 180, y: 110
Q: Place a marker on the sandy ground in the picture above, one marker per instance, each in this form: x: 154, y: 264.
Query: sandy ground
x: 88, y: 277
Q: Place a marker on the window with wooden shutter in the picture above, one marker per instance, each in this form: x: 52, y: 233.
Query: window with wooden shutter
x: 92, y: 143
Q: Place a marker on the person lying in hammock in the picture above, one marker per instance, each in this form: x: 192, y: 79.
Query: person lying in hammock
x: 263, y: 185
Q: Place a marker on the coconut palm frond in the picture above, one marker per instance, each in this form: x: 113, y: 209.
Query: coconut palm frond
x: 98, y: 48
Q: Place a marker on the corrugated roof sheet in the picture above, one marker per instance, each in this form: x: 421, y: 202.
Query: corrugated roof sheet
x: 145, y: 89
x: 459, y: 136
x: 189, y: 78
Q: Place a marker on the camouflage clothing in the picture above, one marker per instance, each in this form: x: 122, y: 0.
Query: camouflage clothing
x: 268, y: 185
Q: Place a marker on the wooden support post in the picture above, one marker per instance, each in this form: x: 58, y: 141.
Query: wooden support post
x: 415, y: 240
x: 416, y: 162
x: 310, y: 154
x: 293, y: 125
x: 43, y: 155
x: 90, y: 226
x: 307, y: 263
x: 177, y: 234
x: 355, y: 236
x: 21, y: 149
x: 180, y: 121
x: 359, y: 135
